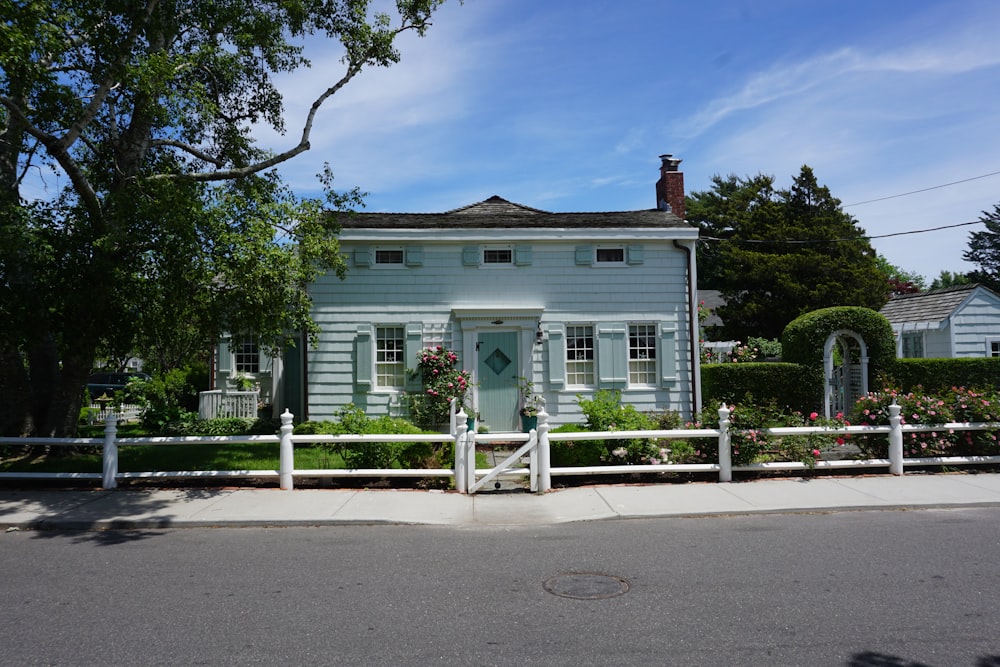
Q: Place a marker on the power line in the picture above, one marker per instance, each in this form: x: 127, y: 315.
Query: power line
x: 933, y: 187
x: 840, y: 240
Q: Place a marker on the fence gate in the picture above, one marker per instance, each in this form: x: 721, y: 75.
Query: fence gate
x: 845, y: 362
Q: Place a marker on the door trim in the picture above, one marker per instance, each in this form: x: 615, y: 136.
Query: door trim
x: 523, y: 321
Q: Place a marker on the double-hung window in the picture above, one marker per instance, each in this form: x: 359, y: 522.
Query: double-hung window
x: 993, y: 347
x: 246, y: 355
x: 642, y: 354
x: 390, y: 371
x: 580, y: 355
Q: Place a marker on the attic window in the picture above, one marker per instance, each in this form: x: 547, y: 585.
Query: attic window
x: 612, y: 255
x: 496, y: 256
x: 389, y: 257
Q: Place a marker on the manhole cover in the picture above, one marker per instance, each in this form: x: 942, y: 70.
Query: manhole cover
x: 583, y: 586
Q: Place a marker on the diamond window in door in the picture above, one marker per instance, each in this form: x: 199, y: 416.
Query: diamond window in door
x: 497, y: 361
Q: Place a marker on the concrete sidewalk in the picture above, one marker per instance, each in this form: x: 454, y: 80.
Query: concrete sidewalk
x: 134, y: 509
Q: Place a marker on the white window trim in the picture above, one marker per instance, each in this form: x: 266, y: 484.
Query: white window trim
x: 376, y: 387
x: 989, y: 345
x: 389, y: 266
x: 656, y: 354
x: 594, y: 371
x: 602, y: 264
x: 496, y: 265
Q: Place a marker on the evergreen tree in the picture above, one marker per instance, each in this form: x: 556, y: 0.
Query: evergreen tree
x: 781, y: 253
x: 984, y: 251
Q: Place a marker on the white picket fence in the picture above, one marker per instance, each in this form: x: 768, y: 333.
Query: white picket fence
x: 98, y: 412
x: 534, y: 445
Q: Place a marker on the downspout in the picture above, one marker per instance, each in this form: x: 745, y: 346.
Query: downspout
x: 694, y: 335
x: 305, y: 376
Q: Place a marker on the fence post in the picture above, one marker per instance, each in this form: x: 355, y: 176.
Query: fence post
x: 544, y: 453
x: 895, y: 440
x: 286, y: 452
x: 109, y: 454
x: 461, y: 434
x: 725, y: 446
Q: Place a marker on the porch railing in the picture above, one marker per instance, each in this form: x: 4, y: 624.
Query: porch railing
x: 218, y: 403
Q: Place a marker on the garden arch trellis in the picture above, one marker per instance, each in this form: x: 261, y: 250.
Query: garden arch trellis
x: 845, y: 370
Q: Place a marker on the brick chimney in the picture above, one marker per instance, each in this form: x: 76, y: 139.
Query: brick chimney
x: 670, y: 187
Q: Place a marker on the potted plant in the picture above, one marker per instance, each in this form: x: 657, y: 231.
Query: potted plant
x: 531, y: 403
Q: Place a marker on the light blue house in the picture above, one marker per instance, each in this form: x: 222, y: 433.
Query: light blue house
x: 962, y: 321
x: 573, y: 302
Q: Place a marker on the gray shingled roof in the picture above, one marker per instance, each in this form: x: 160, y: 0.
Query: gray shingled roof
x: 498, y: 213
x: 930, y: 308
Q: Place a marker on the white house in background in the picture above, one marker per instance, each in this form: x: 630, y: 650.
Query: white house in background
x: 962, y: 321
x: 574, y: 302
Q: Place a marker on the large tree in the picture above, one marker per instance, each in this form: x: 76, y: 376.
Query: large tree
x: 163, y: 220
x: 984, y: 251
x: 778, y: 253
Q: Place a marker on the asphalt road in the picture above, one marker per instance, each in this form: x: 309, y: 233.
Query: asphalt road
x: 883, y: 589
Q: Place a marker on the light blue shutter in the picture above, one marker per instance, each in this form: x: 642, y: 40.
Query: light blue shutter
x: 612, y: 355
x: 225, y: 361
x: 634, y: 254
x: 522, y: 255
x: 411, y: 348
x: 557, y: 356
x: 414, y: 256
x: 470, y: 255
x: 585, y: 255
x: 363, y: 256
x: 364, y: 351
x: 668, y: 355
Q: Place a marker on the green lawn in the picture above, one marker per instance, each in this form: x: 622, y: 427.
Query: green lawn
x: 153, y: 458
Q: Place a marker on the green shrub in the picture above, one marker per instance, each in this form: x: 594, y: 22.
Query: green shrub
x: 566, y: 453
x: 791, y: 386
x: 605, y: 412
x: 803, y: 339
x: 940, y: 375
x: 190, y: 425
x: 352, y: 420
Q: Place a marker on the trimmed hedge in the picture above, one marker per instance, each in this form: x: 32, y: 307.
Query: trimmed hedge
x: 937, y: 375
x: 793, y: 386
x: 803, y: 339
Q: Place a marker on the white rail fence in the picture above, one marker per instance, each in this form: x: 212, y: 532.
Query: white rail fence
x: 535, y: 445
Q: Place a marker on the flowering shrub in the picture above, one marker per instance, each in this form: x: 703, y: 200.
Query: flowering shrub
x: 605, y: 412
x: 441, y: 381
x: 742, y: 354
x: 956, y: 405
x: 971, y: 406
x: 750, y: 442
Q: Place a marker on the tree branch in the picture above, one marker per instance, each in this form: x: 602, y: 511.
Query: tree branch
x: 187, y: 148
x: 97, y: 101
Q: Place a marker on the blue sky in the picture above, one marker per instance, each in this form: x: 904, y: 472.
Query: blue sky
x: 565, y: 105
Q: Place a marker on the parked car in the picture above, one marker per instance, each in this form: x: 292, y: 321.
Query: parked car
x: 106, y: 384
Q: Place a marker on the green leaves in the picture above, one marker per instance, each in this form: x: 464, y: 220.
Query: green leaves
x: 776, y: 254
x: 139, y: 106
